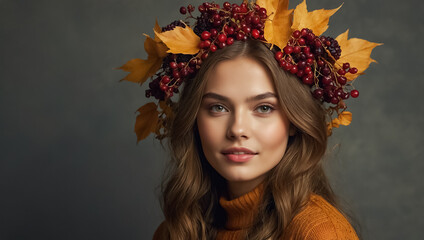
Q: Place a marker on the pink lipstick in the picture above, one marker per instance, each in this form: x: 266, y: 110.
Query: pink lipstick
x: 239, y: 155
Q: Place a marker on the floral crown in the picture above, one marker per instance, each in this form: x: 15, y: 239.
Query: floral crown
x: 177, y: 51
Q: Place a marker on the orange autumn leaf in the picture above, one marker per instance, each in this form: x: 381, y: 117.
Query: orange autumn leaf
x: 277, y: 27
x: 344, y: 118
x: 357, y: 52
x: 317, y: 20
x: 140, y: 70
x: 146, y: 120
x: 180, y: 40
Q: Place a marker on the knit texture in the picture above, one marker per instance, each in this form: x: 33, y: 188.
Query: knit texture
x: 240, y: 213
x: 318, y: 220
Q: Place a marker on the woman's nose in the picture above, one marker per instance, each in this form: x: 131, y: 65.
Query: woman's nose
x: 239, y: 125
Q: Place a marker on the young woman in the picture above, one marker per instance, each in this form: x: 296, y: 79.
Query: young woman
x: 249, y: 132
x: 247, y: 143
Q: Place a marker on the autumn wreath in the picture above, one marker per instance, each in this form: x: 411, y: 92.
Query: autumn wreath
x: 177, y: 51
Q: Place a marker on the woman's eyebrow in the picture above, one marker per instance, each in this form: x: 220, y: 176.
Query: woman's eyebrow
x: 250, y: 99
x: 215, y: 96
x: 262, y: 96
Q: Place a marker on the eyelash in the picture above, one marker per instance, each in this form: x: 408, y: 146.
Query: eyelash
x: 271, y: 108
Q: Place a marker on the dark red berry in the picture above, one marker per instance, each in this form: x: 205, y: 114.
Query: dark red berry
x: 342, y: 80
x: 213, y: 48
x: 246, y: 29
x: 301, y: 65
x: 181, y: 64
x: 325, y: 71
x: 278, y: 55
x: 354, y: 93
x: 190, y: 8
x: 204, y: 56
x: 222, y: 37
x: 341, y: 72
x: 206, y: 35
x: 353, y: 70
x: 293, y: 69
x: 296, y: 34
x: 173, y: 65
x: 214, y: 32
x: 207, y: 43
x: 165, y: 79
x: 288, y: 49
x: 176, y: 74
x: 326, y: 80
x: 334, y: 100
x: 255, y: 33
x: 183, y: 10
x: 307, y: 80
x: 297, y: 49
x: 262, y: 12
x: 346, y: 66
x: 318, y: 93
x: 301, y: 41
x: 255, y: 20
x: 230, y: 41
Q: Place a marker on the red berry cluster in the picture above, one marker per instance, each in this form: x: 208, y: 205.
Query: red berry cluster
x: 217, y: 28
x: 312, y: 58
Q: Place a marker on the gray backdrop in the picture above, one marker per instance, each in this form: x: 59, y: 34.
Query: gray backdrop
x: 70, y: 167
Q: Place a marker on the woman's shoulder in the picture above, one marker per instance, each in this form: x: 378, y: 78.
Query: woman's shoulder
x: 320, y: 220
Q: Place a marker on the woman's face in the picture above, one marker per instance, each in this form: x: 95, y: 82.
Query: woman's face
x: 242, y: 129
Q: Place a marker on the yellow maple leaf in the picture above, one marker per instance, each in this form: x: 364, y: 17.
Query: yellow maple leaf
x: 357, y: 52
x: 140, y: 69
x: 344, y: 118
x: 317, y: 20
x: 180, y: 40
x: 277, y: 27
x: 146, y: 120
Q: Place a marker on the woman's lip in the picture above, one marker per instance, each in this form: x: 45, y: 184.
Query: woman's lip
x: 239, y: 158
x: 238, y: 154
x: 239, y: 150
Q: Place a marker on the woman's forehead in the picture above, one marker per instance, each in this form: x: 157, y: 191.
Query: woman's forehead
x: 239, y: 77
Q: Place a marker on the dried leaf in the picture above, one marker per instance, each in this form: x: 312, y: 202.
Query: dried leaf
x: 158, y: 29
x: 345, y: 118
x: 140, y: 70
x: 317, y: 20
x: 277, y: 28
x: 166, y: 109
x: 357, y: 52
x: 146, y: 120
x: 180, y: 40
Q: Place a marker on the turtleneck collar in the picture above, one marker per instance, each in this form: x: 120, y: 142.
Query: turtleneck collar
x: 241, y: 211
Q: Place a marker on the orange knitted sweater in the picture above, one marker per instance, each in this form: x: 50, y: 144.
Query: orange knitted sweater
x: 318, y: 220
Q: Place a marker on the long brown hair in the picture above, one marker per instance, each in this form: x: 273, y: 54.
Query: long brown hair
x: 191, y: 187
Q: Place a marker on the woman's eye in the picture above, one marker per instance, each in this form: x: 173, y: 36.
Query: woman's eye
x: 218, y: 108
x: 264, y: 109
